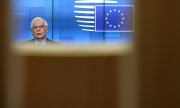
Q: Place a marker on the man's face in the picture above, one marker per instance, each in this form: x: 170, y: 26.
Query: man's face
x: 39, y: 30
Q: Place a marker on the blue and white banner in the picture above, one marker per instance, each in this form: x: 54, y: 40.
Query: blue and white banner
x: 114, y: 18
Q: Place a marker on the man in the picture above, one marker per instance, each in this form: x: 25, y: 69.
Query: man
x: 39, y: 29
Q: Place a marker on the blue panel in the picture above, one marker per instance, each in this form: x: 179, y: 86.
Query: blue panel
x: 36, y: 12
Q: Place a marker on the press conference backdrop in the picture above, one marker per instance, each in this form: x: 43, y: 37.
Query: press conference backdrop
x: 76, y: 21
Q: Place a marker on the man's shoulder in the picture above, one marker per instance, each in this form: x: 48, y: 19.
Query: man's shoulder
x: 52, y: 42
x: 31, y: 41
x: 25, y: 43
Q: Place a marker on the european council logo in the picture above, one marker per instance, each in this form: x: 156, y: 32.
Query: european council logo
x: 103, y: 16
x: 85, y: 12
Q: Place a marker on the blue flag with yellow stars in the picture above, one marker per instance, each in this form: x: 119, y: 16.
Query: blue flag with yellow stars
x: 114, y: 18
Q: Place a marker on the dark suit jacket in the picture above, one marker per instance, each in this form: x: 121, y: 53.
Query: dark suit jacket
x: 48, y: 42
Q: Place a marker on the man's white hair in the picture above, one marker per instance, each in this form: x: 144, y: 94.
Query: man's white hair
x: 39, y: 18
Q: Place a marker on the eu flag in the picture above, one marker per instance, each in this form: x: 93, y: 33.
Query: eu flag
x: 114, y: 18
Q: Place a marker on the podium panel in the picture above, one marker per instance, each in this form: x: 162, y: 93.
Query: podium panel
x: 71, y: 82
